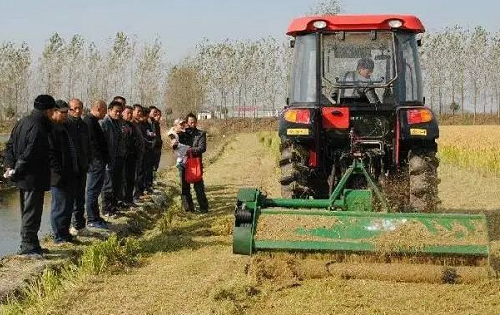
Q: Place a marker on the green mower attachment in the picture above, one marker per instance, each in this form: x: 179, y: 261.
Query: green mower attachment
x: 348, y: 222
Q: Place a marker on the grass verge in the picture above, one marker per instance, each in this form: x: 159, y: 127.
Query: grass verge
x: 115, y: 254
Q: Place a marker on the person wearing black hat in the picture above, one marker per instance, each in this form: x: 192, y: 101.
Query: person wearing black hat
x: 64, y: 167
x: 27, y: 164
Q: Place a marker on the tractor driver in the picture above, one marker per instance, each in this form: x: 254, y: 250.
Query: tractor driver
x: 362, y: 74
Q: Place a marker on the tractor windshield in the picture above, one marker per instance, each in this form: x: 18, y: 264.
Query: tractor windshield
x: 357, y: 67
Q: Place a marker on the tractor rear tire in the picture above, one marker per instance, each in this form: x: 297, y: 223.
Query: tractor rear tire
x: 294, y: 170
x: 424, y: 181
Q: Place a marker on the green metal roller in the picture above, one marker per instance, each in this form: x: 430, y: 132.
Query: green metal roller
x: 347, y: 222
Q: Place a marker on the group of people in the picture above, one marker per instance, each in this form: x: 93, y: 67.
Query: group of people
x: 114, y: 151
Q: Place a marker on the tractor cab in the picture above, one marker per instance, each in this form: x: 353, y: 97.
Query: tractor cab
x: 346, y: 59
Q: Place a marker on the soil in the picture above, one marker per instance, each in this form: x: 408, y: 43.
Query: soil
x: 190, y: 269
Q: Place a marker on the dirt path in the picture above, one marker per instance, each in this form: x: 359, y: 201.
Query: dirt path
x: 194, y: 272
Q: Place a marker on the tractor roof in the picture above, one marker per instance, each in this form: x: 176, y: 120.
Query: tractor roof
x: 304, y: 25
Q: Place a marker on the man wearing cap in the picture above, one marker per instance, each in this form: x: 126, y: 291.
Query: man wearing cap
x: 64, y: 166
x: 27, y: 164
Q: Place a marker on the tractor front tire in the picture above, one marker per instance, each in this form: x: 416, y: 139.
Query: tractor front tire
x: 422, y: 165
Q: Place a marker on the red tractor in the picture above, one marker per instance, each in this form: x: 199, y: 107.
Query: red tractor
x: 356, y: 93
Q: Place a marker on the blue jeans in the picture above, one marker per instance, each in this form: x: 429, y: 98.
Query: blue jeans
x: 112, y: 189
x: 60, y: 214
x: 78, y: 219
x: 95, y: 180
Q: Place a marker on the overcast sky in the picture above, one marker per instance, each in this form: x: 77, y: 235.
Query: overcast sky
x: 181, y: 24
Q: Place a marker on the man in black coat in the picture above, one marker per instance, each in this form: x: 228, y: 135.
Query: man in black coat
x: 137, y: 118
x: 64, y: 166
x: 99, y: 158
x: 158, y: 145
x: 79, y: 133
x: 148, y: 157
x: 27, y: 164
x: 131, y: 157
x: 197, y: 139
x: 113, y: 131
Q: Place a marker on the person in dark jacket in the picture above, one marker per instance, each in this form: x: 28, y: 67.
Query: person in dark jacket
x: 131, y: 157
x: 27, y: 165
x: 157, y: 148
x: 79, y: 133
x: 148, y: 157
x: 113, y: 131
x: 137, y: 118
x: 197, y: 139
x: 127, y: 133
x: 99, y: 158
x: 64, y: 167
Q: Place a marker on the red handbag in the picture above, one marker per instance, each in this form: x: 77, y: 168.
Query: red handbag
x: 194, y: 171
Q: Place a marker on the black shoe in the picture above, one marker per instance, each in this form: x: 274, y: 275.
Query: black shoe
x: 30, y: 255
x: 23, y: 252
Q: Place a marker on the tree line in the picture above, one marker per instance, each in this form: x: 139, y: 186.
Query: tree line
x: 232, y: 77
x: 460, y: 69
x: 75, y: 67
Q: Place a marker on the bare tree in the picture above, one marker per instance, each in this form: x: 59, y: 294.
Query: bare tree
x: 51, y: 65
x: 326, y: 7
x: 95, y: 86
x: 477, y: 51
x: 74, y: 54
x: 147, y: 73
x: 118, y: 59
x: 183, y: 93
x: 14, y: 75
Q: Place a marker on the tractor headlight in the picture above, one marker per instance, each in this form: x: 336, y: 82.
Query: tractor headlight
x: 395, y: 23
x: 319, y: 24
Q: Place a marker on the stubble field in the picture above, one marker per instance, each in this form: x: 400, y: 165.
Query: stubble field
x: 188, y: 268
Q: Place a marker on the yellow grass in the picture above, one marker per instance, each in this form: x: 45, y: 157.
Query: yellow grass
x: 188, y: 267
x: 472, y: 147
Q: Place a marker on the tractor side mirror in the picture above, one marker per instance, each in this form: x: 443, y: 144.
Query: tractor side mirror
x: 287, y: 101
x: 292, y: 43
x: 419, y: 42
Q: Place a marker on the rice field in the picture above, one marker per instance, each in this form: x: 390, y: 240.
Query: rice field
x: 471, y: 147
